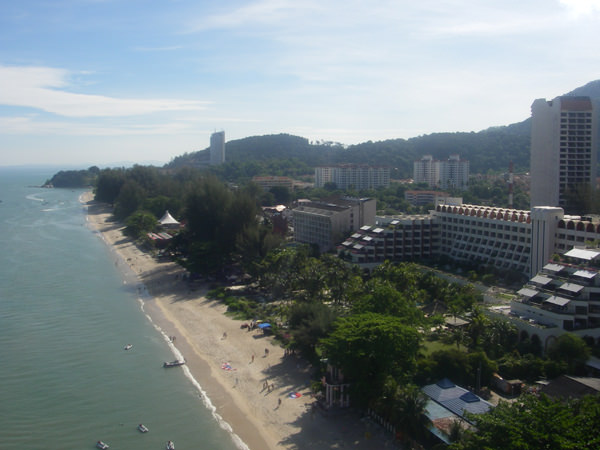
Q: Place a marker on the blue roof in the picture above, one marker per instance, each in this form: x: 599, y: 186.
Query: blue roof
x: 445, y: 383
x: 456, y: 399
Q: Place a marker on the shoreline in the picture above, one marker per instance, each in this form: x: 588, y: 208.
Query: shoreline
x: 229, y: 365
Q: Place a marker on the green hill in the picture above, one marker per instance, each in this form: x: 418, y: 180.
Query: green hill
x: 284, y: 154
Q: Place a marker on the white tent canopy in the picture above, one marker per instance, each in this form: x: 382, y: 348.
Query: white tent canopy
x: 168, y: 219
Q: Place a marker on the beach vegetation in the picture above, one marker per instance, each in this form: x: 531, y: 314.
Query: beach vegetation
x: 404, y: 407
x: 140, y: 223
x: 535, y: 422
x: 370, y: 347
x: 309, y: 323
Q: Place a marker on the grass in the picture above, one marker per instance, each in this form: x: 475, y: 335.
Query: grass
x: 433, y: 345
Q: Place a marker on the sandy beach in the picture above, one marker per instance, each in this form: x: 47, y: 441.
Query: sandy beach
x: 230, y: 363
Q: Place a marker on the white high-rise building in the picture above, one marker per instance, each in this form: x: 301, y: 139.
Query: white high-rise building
x: 564, y: 147
x: 450, y: 174
x: 356, y: 176
x: 217, y: 148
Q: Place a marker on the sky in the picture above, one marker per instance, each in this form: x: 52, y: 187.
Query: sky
x: 110, y: 82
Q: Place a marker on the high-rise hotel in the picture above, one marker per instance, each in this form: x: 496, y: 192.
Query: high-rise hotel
x: 564, y: 148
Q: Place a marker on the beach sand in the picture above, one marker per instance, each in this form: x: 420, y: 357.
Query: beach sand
x: 262, y: 418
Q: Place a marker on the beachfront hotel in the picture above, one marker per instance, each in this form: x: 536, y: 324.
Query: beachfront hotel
x: 507, y: 239
x: 563, y: 297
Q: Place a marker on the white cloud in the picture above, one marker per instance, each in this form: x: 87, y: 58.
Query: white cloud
x: 43, y: 88
x: 578, y: 8
x: 257, y: 13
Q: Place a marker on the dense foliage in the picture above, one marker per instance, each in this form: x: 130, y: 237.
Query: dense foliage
x: 292, y: 155
x: 222, y: 225
x: 537, y: 423
x: 74, y: 178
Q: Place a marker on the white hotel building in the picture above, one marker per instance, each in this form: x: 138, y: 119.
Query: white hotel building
x: 559, y: 298
x: 508, y: 239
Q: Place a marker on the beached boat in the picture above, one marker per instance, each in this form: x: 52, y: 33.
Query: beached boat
x: 101, y: 445
x: 143, y: 428
x: 170, y: 445
x: 177, y: 362
x: 127, y: 347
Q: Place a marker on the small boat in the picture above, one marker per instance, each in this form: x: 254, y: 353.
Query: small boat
x: 128, y: 346
x: 101, y: 445
x: 177, y: 362
x: 143, y: 428
x: 170, y: 445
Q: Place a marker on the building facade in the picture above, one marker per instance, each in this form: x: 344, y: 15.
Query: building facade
x: 452, y: 173
x: 507, y: 239
x: 422, y: 198
x: 326, y: 223
x: 353, y: 176
x: 217, y: 148
x: 564, y: 148
x: 563, y: 297
x: 268, y: 182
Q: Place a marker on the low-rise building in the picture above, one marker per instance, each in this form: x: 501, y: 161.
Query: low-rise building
x: 564, y: 296
x: 422, y: 198
x: 268, y: 182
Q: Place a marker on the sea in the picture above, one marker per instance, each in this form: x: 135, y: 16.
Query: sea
x: 66, y: 314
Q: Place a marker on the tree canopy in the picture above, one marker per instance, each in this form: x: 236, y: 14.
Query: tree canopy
x: 533, y: 423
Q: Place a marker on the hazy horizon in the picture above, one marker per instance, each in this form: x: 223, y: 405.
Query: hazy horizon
x: 94, y: 82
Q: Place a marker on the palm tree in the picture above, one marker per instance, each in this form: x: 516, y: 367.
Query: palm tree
x: 409, y: 412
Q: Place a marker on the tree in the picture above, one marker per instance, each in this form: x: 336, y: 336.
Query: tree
x: 571, y: 350
x: 140, y: 223
x: 409, y: 411
x: 310, y: 322
x: 130, y: 198
x: 370, y: 347
x: 536, y: 423
x: 382, y: 298
x: 216, y: 221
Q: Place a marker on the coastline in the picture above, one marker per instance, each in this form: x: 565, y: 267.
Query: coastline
x: 228, y: 364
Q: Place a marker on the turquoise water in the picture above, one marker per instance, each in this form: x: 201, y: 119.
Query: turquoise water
x: 66, y: 313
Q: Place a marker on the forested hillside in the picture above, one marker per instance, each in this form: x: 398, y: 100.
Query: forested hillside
x: 283, y: 154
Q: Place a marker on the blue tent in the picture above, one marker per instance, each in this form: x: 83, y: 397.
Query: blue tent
x: 262, y: 326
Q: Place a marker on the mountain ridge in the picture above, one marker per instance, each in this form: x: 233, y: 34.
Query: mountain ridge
x: 493, y: 148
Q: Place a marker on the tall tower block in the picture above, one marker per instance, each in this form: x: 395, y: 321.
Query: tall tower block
x: 217, y: 148
x: 564, y: 147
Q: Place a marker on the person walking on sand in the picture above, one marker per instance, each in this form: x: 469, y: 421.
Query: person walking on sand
x: 252, y: 357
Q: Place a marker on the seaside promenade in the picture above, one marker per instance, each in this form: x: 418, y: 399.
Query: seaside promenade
x: 249, y: 387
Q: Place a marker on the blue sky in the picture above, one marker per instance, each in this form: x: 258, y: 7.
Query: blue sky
x: 108, y: 81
